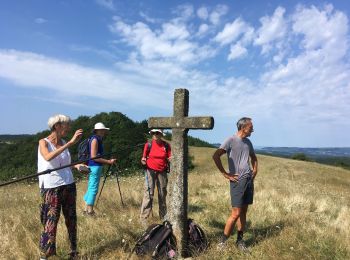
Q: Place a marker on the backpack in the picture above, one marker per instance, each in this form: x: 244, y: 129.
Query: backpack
x: 166, y: 146
x: 197, y: 241
x: 157, y: 241
x: 83, y: 150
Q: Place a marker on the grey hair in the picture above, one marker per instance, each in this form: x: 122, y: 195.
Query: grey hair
x: 58, y: 119
x: 242, y: 122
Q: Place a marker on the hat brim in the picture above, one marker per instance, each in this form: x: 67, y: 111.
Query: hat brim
x: 151, y: 132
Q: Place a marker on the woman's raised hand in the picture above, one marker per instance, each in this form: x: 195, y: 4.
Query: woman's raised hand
x: 77, y: 136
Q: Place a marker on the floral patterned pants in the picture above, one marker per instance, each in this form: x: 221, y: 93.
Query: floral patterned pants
x: 53, y: 200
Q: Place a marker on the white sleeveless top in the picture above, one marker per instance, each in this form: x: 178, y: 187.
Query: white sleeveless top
x: 55, y: 178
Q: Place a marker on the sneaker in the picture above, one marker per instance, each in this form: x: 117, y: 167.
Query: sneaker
x: 89, y: 213
x: 242, y: 246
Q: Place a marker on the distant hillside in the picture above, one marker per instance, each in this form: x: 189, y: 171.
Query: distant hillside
x: 12, y: 138
x: 312, y: 152
x: 337, y: 156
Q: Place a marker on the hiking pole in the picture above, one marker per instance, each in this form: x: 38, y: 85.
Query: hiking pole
x: 103, y: 184
x: 120, y: 193
x: 65, y: 166
x: 149, y: 190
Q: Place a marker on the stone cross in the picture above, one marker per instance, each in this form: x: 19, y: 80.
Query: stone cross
x: 180, y: 123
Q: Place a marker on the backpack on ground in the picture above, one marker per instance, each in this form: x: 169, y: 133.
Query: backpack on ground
x: 197, y: 241
x: 83, y: 150
x: 157, y: 241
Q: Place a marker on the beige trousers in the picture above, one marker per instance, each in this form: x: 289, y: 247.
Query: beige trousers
x: 153, y: 178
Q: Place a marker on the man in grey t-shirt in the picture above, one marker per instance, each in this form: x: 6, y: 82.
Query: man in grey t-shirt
x: 241, y: 176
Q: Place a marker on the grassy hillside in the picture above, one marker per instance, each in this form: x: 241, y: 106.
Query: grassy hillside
x: 301, y: 211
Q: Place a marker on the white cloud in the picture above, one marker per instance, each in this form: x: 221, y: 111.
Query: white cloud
x: 173, y: 31
x: 147, y: 18
x: 333, y: 35
x: 232, y: 31
x: 236, y: 51
x: 40, y: 20
x: 37, y: 71
x: 184, y: 12
x: 203, y: 28
x: 219, y: 11
x: 109, y: 4
x: 171, y: 42
x: 314, y: 83
x: 203, y: 13
x: 272, y: 28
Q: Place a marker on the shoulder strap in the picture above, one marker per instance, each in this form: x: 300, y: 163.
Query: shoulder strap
x: 149, y: 146
x: 166, y: 145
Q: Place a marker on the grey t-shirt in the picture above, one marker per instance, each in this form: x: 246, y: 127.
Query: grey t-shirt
x: 238, y: 151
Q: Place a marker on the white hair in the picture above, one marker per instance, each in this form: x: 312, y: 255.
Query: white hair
x: 58, y: 119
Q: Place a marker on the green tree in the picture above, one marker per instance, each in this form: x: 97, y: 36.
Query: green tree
x: 300, y: 157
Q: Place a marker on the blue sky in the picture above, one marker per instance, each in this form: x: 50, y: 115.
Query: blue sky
x: 284, y: 63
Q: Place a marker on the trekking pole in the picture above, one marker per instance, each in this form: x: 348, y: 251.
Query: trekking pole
x: 120, y: 193
x: 65, y: 166
x: 149, y: 190
x: 103, y: 184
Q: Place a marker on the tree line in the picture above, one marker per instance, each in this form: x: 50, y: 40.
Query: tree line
x: 18, y: 153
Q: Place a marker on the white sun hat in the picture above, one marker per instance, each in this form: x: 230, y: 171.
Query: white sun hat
x: 100, y: 126
x: 156, y: 130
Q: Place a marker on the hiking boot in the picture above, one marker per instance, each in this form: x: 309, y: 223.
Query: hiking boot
x: 242, y: 246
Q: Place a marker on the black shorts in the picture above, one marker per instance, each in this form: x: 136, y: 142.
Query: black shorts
x: 242, y: 192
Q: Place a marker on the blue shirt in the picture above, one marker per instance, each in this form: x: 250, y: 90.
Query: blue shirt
x: 99, y: 150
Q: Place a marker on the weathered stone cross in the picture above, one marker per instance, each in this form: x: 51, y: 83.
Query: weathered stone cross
x: 178, y: 184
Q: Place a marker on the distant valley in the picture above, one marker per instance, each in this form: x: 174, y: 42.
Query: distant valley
x: 311, y: 152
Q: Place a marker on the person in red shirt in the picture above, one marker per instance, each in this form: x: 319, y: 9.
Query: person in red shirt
x: 156, y: 155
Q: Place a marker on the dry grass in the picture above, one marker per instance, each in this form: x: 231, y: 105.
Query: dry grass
x: 301, y: 211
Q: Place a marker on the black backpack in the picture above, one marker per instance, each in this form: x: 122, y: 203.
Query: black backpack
x: 197, y: 241
x: 83, y: 150
x: 157, y: 241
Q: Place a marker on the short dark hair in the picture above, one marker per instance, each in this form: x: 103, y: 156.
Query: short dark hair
x: 242, y: 122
